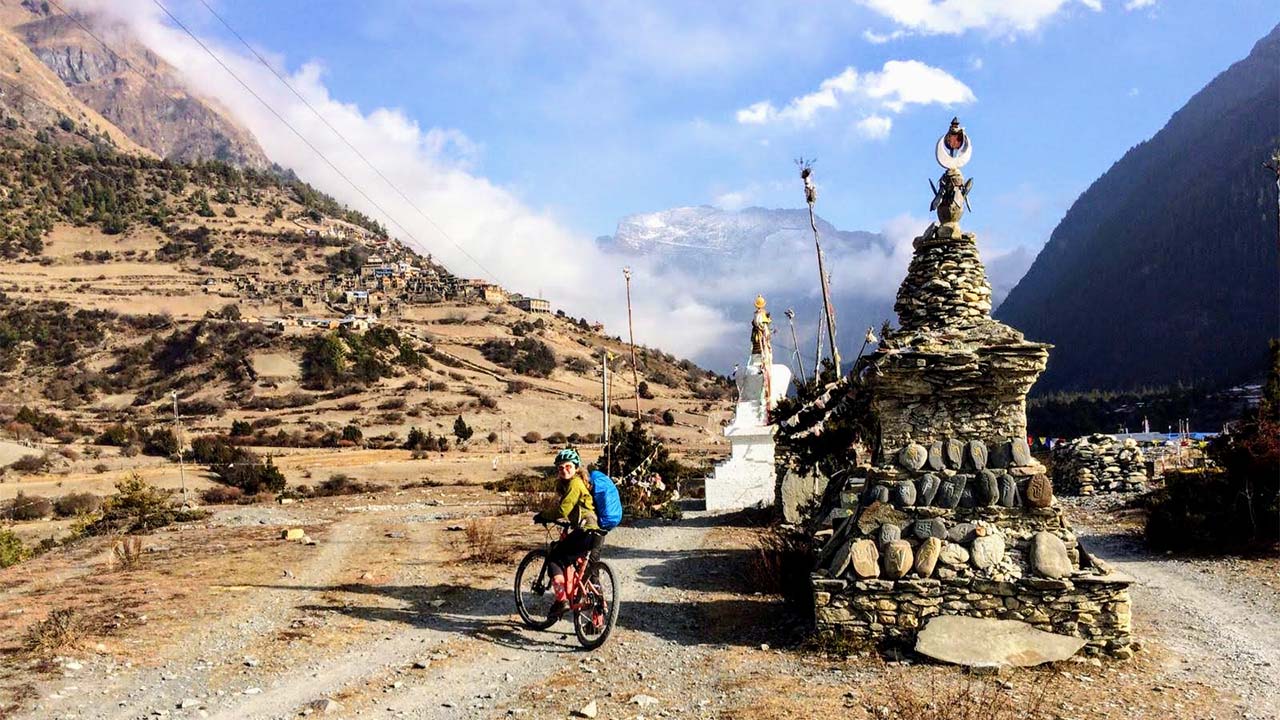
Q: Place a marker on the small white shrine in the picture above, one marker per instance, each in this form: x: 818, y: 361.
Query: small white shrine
x: 746, y: 479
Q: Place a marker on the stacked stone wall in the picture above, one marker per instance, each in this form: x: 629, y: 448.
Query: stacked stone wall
x: 1099, y: 463
x: 875, y: 612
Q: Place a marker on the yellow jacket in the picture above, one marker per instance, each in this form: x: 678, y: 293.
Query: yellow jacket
x: 578, y: 507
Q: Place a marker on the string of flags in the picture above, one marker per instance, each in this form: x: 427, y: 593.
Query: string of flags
x: 1047, y: 443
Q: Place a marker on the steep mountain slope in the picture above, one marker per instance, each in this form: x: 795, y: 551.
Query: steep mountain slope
x: 33, y: 98
x: 250, y: 294
x: 1165, y: 269
x: 132, y: 87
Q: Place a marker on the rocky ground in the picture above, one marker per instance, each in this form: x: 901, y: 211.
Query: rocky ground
x: 385, y: 617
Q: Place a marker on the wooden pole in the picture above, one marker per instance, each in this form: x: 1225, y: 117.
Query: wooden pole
x: 631, y: 331
x: 811, y: 197
x: 795, y: 344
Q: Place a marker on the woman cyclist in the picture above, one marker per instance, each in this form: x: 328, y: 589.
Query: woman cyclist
x: 577, y: 507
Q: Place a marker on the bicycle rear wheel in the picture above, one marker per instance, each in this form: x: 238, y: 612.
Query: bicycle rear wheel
x: 534, y: 596
x: 594, y: 623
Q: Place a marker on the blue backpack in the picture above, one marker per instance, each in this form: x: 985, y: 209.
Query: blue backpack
x: 608, y: 503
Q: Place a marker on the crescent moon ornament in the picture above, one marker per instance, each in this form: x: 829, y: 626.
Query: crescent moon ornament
x: 957, y: 161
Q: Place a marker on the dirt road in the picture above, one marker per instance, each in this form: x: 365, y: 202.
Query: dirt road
x: 381, y: 619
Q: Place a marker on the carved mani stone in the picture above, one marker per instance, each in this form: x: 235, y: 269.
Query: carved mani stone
x: 927, y: 489
x: 966, y: 496
x: 987, y: 551
x: 877, y: 494
x: 1039, y: 491
x: 887, y: 533
x: 962, y: 532
x: 999, y: 455
x: 897, y: 559
x: 865, y: 558
x: 925, y: 528
x: 954, y: 555
x: 927, y: 556
x: 935, y: 461
x: 913, y: 456
x: 904, y: 494
x: 986, y: 491
x: 953, y: 452
x: 1021, y: 453
x: 976, y: 451
x: 949, y: 492
x: 1009, y: 496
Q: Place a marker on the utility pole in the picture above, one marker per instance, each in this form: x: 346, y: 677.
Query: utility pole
x: 631, y: 331
x: 811, y: 197
x: 795, y: 344
x: 177, y: 436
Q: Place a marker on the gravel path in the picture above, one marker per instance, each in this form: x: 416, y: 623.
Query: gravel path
x: 1224, y: 627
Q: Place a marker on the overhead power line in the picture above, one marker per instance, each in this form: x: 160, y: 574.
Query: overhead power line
x: 320, y: 116
x: 257, y: 97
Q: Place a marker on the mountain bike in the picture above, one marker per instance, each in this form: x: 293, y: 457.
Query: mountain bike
x: 593, y: 594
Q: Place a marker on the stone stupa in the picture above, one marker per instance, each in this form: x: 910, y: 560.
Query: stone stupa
x: 946, y: 512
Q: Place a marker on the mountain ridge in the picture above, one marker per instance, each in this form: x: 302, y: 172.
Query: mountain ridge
x: 1169, y: 256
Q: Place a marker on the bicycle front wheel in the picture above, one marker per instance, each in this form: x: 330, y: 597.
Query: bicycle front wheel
x: 534, y: 596
x: 594, y: 623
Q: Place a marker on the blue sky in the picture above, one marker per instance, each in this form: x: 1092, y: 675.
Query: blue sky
x: 596, y: 111
x: 526, y: 129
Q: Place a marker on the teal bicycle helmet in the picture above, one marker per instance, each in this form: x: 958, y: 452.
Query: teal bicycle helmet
x: 568, y: 455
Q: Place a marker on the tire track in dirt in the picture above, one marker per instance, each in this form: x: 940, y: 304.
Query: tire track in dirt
x: 1225, y: 639
x: 186, y: 671
x: 479, y: 657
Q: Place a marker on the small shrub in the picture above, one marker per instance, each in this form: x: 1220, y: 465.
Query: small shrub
x: 12, y: 551
x: 62, y: 630
x: 645, y: 392
x: 241, y: 428
x: 462, y: 430
x: 557, y: 438
x: 30, y: 507
x: 487, y: 402
x: 31, y: 463
x: 100, y: 468
x: 126, y: 553
x: 668, y: 418
x: 533, y: 436
x: 221, y: 495
x: 397, y: 403
x: 73, y: 504
x: 136, y: 507
x: 340, y: 484
x: 483, y: 543
x: 492, y: 437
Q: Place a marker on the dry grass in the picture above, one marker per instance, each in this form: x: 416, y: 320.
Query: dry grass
x: 528, y: 501
x: 484, y: 545
x: 952, y: 696
x: 126, y: 553
x: 62, y: 630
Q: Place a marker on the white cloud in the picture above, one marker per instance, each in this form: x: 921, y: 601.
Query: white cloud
x: 875, y: 127
x: 757, y: 113
x: 876, y: 38
x: 954, y: 17
x: 527, y: 250
x: 975, y: 63
x: 898, y: 84
x: 1139, y: 4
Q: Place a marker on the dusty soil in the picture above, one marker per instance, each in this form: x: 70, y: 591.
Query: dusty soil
x: 386, y: 617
